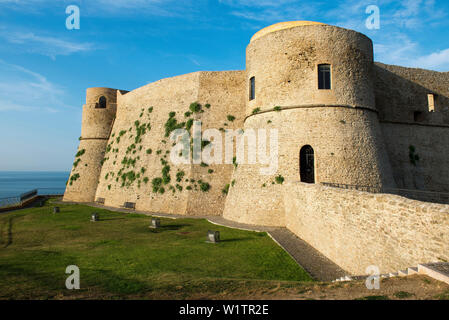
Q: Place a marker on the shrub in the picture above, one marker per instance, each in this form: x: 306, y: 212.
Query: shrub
x: 156, y: 183
x: 210, y: 171
x: 195, y: 107
x: 279, y: 179
x: 189, y: 188
x: 413, y: 156
x: 180, y: 176
x: 187, y: 114
x: 233, y: 183
x: 189, y: 124
x: 231, y: 118
x: 172, y: 114
x: 256, y: 110
x: 149, y: 151
x: 207, y: 105
x: 80, y: 153
x: 204, y: 186
x: 145, y: 180
x: 171, y: 125
x: 166, y: 174
x: 179, y: 187
x: 277, y: 108
x: 74, y: 177
x: 225, y: 190
x: 75, y: 164
x: 150, y: 109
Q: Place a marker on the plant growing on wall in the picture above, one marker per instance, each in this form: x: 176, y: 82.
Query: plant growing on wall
x: 277, y: 108
x: 230, y: 118
x: 414, y: 158
x: 195, y: 107
x: 279, y: 179
x: 256, y: 110
x: 225, y: 190
x: 80, y: 153
x: 204, y: 186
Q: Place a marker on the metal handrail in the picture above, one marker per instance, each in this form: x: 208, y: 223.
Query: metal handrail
x: 20, y: 199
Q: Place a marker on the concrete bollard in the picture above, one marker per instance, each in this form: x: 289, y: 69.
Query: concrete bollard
x: 95, y: 217
x: 155, y: 223
x: 213, y: 236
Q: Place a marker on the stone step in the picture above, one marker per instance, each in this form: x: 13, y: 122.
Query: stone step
x: 403, y: 273
x: 438, y: 270
x: 413, y: 270
x: 393, y: 274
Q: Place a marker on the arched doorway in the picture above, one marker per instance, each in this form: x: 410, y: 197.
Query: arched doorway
x: 307, y: 164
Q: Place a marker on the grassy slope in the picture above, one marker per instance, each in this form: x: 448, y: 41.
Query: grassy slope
x: 120, y: 256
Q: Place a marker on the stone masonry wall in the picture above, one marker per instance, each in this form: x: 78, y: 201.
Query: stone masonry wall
x: 357, y: 229
x: 347, y: 150
x: 431, y: 143
x: 132, y: 161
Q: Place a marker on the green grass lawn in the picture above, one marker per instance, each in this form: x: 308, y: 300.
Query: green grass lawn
x: 120, y: 257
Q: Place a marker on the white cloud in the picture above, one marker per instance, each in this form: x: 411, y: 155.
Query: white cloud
x: 24, y: 90
x: 45, y: 45
x: 436, y: 61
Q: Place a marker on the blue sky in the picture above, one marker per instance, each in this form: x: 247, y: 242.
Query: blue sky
x: 125, y: 44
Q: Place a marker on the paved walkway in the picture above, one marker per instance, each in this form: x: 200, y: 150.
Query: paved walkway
x: 311, y: 260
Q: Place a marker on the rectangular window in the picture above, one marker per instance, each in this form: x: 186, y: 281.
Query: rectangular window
x: 252, y: 88
x: 431, y: 99
x: 418, y: 116
x: 324, y: 76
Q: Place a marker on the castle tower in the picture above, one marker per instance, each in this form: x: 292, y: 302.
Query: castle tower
x: 98, y: 117
x: 313, y: 83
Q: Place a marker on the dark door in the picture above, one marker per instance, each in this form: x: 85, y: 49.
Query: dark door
x: 307, y: 164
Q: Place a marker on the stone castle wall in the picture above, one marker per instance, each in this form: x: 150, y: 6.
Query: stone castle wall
x: 357, y: 229
x: 95, y: 130
x: 400, y: 92
x: 361, y: 132
x: 284, y: 64
x: 340, y: 124
x: 220, y: 90
x: 347, y: 152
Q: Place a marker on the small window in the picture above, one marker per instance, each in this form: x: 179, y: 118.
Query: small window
x: 101, y: 103
x: 252, y: 88
x: 431, y: 99
x: 418, y: 116
x: 324, y: 76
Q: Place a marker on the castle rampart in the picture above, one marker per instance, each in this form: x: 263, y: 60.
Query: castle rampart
x: 340, y: 119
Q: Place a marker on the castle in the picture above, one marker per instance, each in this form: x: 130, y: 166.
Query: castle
x: 342, y: 119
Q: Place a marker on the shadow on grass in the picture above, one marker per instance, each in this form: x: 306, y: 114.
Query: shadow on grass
x: 236, y: 239
x: 109, y: 219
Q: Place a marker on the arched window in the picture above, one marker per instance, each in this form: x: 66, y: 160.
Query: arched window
x: 324, y: 76
x: 101, y: 103
x: 307, y: 164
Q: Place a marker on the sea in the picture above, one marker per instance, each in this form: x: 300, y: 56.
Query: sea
x: 14, y: 183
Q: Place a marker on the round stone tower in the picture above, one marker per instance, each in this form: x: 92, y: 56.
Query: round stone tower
x: 313, y: 84
x: 98, y: 117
